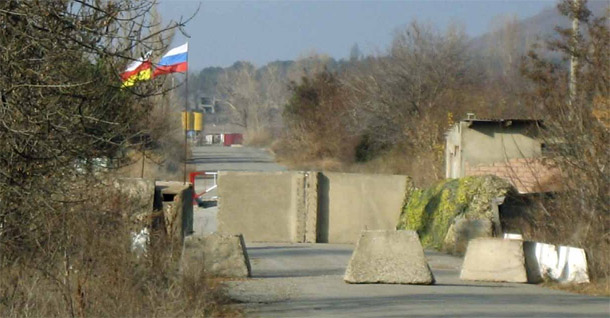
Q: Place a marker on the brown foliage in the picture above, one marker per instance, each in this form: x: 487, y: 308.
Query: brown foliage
x: 64, y: 242
x: 86, y: 267
x: 316, y: 121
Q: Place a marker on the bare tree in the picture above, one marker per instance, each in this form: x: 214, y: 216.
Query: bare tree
x: 405, y: 97
x: 577, y: 133
x: 62, y: 114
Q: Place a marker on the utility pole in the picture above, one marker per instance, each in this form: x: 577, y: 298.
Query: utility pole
x: 576, y: 8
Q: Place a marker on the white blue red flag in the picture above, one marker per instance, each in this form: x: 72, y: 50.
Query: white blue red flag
x: 174, y: 61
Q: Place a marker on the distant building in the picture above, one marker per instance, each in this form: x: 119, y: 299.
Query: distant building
x: 508, y: 148
x: 208, y: 104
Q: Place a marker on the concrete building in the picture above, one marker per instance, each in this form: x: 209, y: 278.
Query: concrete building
x: 508, y: 148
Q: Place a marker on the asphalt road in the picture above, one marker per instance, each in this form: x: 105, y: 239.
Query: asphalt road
x: 305, y: 280
x: 219, y: 158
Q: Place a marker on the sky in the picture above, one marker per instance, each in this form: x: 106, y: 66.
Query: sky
x: 224, y: 32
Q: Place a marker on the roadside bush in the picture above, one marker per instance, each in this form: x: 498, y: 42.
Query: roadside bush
x: 432, y: 211
x: 316, y: 123
x: 85, y: 266
x: 577, y: 135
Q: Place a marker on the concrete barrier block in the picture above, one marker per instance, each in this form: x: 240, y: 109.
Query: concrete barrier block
x: 564, y: 264
x: 263, y: 206
x: 494, y: 259
x: 356, y: 202
x: 390, y: 257
x: 220, y: 255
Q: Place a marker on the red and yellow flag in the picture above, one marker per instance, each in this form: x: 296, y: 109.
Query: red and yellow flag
x: 140, y: 70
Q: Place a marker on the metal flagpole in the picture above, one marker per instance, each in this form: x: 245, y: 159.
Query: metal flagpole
x: 186, y: 116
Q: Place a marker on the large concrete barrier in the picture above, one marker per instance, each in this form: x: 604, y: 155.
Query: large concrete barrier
x: 494, y: 259
x: 263, y: 206
x: 308, y: 206
x: 356, y: 202
x: 389, y: 257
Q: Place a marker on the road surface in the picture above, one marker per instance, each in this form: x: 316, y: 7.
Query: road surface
x: 219, y: 158
x: 305, y: 280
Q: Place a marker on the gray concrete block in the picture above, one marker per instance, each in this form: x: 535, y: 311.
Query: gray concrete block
x: 389, y: 257
x: 494, y: 259
x: 263, y: 206
x: 356, y: 202
x: 219, y: 255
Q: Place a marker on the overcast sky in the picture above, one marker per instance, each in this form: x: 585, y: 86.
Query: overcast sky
x: 262, y: 31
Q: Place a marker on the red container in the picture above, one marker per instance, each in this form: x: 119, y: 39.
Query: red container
x: 233, y: 139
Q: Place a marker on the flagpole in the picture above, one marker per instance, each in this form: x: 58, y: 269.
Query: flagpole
x: 186, y: 117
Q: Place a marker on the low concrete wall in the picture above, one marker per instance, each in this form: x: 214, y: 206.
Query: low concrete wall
x: 307, y: 206
x: 357, y: 202
x: 176, y: 199
x: 263, y: 206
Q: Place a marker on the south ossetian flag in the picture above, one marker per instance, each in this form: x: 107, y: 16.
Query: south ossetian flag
x: 139, y: 70
x: 174, y: 61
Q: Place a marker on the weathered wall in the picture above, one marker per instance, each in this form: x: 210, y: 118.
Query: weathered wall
x: 263, y: 206
x: 489, y: 143
x: 357, y: 202
x: 485, y: 143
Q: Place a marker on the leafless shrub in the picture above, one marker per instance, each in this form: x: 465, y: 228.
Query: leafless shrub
x: 87, y: 268
x: 64, y: 242
x: 316, y: 120
x: 577, y: 136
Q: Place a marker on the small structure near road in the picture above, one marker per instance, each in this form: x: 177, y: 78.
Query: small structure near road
x: 389, y: 257
x: 508, y: 148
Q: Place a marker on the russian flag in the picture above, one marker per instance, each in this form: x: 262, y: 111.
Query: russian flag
x: 174, y: 61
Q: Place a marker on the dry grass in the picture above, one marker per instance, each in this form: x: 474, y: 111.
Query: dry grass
x: 258, y: 138
x: 83, y: 265
x: 596, y: 288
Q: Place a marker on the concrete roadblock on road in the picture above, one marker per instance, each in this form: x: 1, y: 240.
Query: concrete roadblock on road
x: 389, y: 257
x: 219, y: 255
x: 310, y: 207
x: 494, y: 259
x: 355, y: 202
x: 263, y: 206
